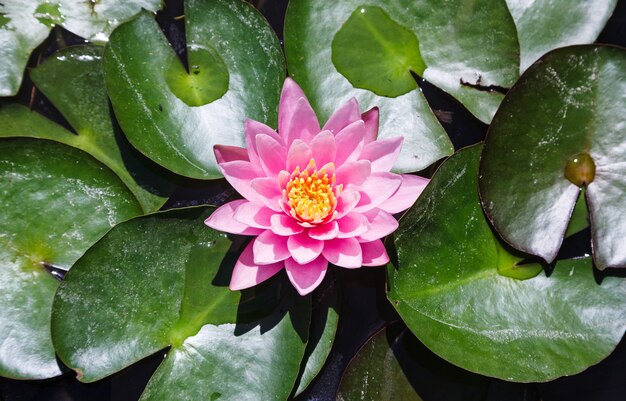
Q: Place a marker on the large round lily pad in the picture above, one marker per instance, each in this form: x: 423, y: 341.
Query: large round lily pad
x: 559, y: 128
x: 447, y: 288
x: 56, y: 202
x: 175, y: 116
x: 161, y: 280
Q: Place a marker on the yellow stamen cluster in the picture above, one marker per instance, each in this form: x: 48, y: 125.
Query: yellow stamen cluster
x: 310, y: 194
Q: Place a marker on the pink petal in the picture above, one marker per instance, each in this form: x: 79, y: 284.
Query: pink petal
x: 270, y: 248
x: 376, y: 189
x: 223, y: 219
x: 370, y: 118
x: 348, y: 113
x: 381, y: 224
x: 352, y: 225
x: 374, y: 253
x: 247, y: 274
x: 347, y: 201
x: 254, y: 215
x: 272, y: 155
x: 344, y: 252
x: 297, y: 121
x: 289, y: 97
x: 225, y: 154
x: 323, y: 148
x: 306, y: 277
x: 383, y: 153
x: 252, y: 129
x: 354, y: 173
x: 349, y: 142
x: 267, y: 192
x: 299, y: 155
x: 304, y: 248
x: 411, y: 188
x: 324, y: 231
x: 285, y: 225
x: 239, y: 174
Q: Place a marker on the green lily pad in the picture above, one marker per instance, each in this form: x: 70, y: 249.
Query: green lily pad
x: 161, y: 280
x: 56, y: 202
x: 375, y: 372
x: 324, y: 322
x: 73, y: 80
x: 162, y: 125
x: 24, y: 24
x: 447, y: 289
x: 547, y: 24
x: 560, y: 127
x: 470, y: 50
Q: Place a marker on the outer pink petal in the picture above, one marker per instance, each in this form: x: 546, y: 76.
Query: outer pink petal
x: 376, y: 189
x: 272, y: 155
x: 253, y: 128
x: 299, y: 155
x: 352, y: 225
x: 381, y: 224
x: 267, y: 192
x: 239, y: 174
x: 343, y: 116
x: 354, y: 173
x: 370, y: 118
x: 247, y: 274
x: 324, y: 231
x: 301, y: 124
x: 323, y: 148
x: 269, y: 248
x: 349, y: 142
x: 289, y: 96
x: 305, y: 278
x: 285, y: 225
x: 346, y: 202
x: 411, y: 188
x: 225, y: 153
x: 254, y: 215
x: 374, y: 253
x: 304, y: 248
x: 383, y: 153
x: 344, y: 252
x: 223, y: 220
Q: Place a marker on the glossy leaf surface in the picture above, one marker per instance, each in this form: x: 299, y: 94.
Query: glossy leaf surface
x: 469, y: 50
x: 545, y: 25
x: 448, y: 291
x: 56, y: 201
x: 161, y: 280
x: 73, y: 80
x: 163, y: 126
x: 24, y: 24
x: 567, y: 110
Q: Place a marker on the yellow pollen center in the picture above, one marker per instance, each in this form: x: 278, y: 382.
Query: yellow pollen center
x: 310, y: 194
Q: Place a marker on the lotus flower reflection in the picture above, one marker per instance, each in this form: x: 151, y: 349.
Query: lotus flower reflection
x: 312, y: 196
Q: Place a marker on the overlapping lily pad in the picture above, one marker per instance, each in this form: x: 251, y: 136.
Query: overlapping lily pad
x: 73, y: 80
x: 470, y: 50
x: 179, y: 132
x: 56, y: 202
x: 545, y: 25
x: 448, y: 291
x: 24, y: 24
x: 161, y: 280
x: 561, y: 127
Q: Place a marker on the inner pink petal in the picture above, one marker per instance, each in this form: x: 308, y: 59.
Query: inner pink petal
x: 346, y: 202
x: 349, y: 142
x: 240, y: 174
x: 348, y: 113
x: 299, y: 155
x: 374, y: 253
x: 306, y: 277
x: 352, y: 225
x: 303, y: 248
x: 254, y: 215
x: 411, y: 188
x: 223, y: 219
x: 382, y: 153
x: 354, y: 173
x: 285, y: 225
x: 272, y: 155
x: 253, y: 128
x: 302, y: 125
x: 323, y: 148
x: 344, y: 252
x: 267, y: 192
x: 247, y: 274
x: 370, y: 118
x: 270, y: 248
x: 324, y: 231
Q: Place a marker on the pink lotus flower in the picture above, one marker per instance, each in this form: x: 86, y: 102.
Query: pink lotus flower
x: 312, y: 196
